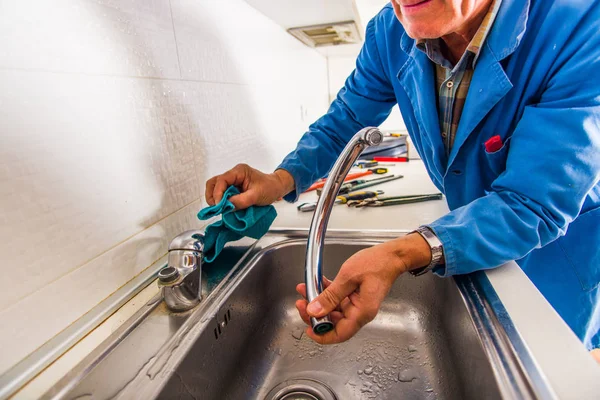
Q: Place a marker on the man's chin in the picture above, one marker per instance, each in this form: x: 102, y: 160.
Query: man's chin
x: 422, y: 33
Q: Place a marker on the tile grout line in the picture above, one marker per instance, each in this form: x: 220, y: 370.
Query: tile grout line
x: 328, y: 80
x: 157, y: 78
x: 102, y: 254
x: 175, y: 37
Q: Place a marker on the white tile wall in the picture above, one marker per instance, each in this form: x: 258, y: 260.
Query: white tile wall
x: 133, y: 37
x: 339, y: 68
x: 112, y: 116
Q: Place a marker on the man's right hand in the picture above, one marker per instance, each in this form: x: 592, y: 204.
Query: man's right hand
x: 257, y: 188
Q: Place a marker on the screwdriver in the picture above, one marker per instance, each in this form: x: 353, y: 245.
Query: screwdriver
x: 377, y: 171
x: 395, y: 200
x: 349, y: 177
x: 356, y: 184
x: 370, y: 183
x: 370, y: 164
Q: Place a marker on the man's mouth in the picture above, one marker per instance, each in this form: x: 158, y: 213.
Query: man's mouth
x: 411, y: 3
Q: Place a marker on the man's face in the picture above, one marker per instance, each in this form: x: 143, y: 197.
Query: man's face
x: 430, y: 19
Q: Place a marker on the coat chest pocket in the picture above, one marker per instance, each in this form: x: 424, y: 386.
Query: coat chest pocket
x: 496, y: 161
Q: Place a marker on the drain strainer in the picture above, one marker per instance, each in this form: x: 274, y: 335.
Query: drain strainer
x: 301, y: 389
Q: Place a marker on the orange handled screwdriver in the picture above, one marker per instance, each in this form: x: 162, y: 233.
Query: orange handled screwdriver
x: 378, y: 171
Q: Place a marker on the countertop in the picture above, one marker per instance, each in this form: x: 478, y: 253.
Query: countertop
x: 403, y: 217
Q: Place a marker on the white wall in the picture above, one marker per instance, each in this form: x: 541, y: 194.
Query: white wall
x: 340, y: 67
x: 112, y: 116
x: 342, y: 62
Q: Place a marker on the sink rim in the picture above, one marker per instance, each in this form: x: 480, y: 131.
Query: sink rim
x: 514, y: 368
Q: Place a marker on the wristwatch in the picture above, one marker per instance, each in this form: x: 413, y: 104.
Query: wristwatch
x: 437, y: 250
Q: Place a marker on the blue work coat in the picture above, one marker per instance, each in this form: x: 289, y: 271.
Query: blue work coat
x: 537, y: 199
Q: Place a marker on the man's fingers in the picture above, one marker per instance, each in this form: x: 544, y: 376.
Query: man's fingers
x: 208, y: 192
x: 335, y: 316
x: 301, y: 287
x: 301, y: 307
x: 220, y: 187
x: 343, y: 330
x: 331, y: 297
x: 235, y: 176
x: 244, y: 200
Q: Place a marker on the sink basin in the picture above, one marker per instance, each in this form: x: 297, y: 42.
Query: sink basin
x: 421, y: 345
x: 433, y: 338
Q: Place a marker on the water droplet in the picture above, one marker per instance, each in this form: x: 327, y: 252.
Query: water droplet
x: 407, y: 375
x: 360, y: 371
x: 412, y: 348
x: 368, y: 371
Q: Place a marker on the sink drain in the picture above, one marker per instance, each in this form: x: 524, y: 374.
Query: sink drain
x: 301, y: 389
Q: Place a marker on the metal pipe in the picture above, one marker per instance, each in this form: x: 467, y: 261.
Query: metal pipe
x: 316, y: 237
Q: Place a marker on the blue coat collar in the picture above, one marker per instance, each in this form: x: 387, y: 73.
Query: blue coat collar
x: 506, y: 34
x: 489, y: 80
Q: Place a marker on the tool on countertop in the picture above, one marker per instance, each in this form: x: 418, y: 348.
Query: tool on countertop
x: 349, y: 177
x: 390, y: 159
x: 377, y: 171
x: 370, y: 164
x: 370, y: 183
x: 343, y: 199
x: 392, y: 146
x: 376, y: 201
x: 359, y: 184
x: 321, y: 182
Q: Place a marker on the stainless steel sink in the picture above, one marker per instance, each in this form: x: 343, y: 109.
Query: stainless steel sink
x: 421, y: 345
x: 433, y: 339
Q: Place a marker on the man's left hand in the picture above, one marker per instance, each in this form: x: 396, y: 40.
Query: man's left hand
x: 354, y: 297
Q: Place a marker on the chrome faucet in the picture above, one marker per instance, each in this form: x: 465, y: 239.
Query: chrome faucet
x: 316, y: 236
x: 180, y: 281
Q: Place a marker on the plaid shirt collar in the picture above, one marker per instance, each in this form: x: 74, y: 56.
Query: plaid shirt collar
x: 432, y: 48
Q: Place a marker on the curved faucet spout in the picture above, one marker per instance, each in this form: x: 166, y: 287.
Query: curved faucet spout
x: 316, y: 237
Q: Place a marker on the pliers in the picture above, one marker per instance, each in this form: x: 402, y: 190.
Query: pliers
x: 343, y: 199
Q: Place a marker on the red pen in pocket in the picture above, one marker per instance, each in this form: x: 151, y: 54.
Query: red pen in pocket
x: 493, y: 144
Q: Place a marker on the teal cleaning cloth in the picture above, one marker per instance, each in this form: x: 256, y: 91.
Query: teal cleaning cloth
x: 233, y: 225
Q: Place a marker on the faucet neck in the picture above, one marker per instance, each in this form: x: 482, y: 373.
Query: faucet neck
x: 316, y: 236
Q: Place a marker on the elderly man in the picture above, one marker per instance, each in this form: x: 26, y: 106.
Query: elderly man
x: 502, y: 101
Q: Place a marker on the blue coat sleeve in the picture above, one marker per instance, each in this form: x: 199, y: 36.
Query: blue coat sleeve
x: 553, y: 163
x: 365, y: 100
